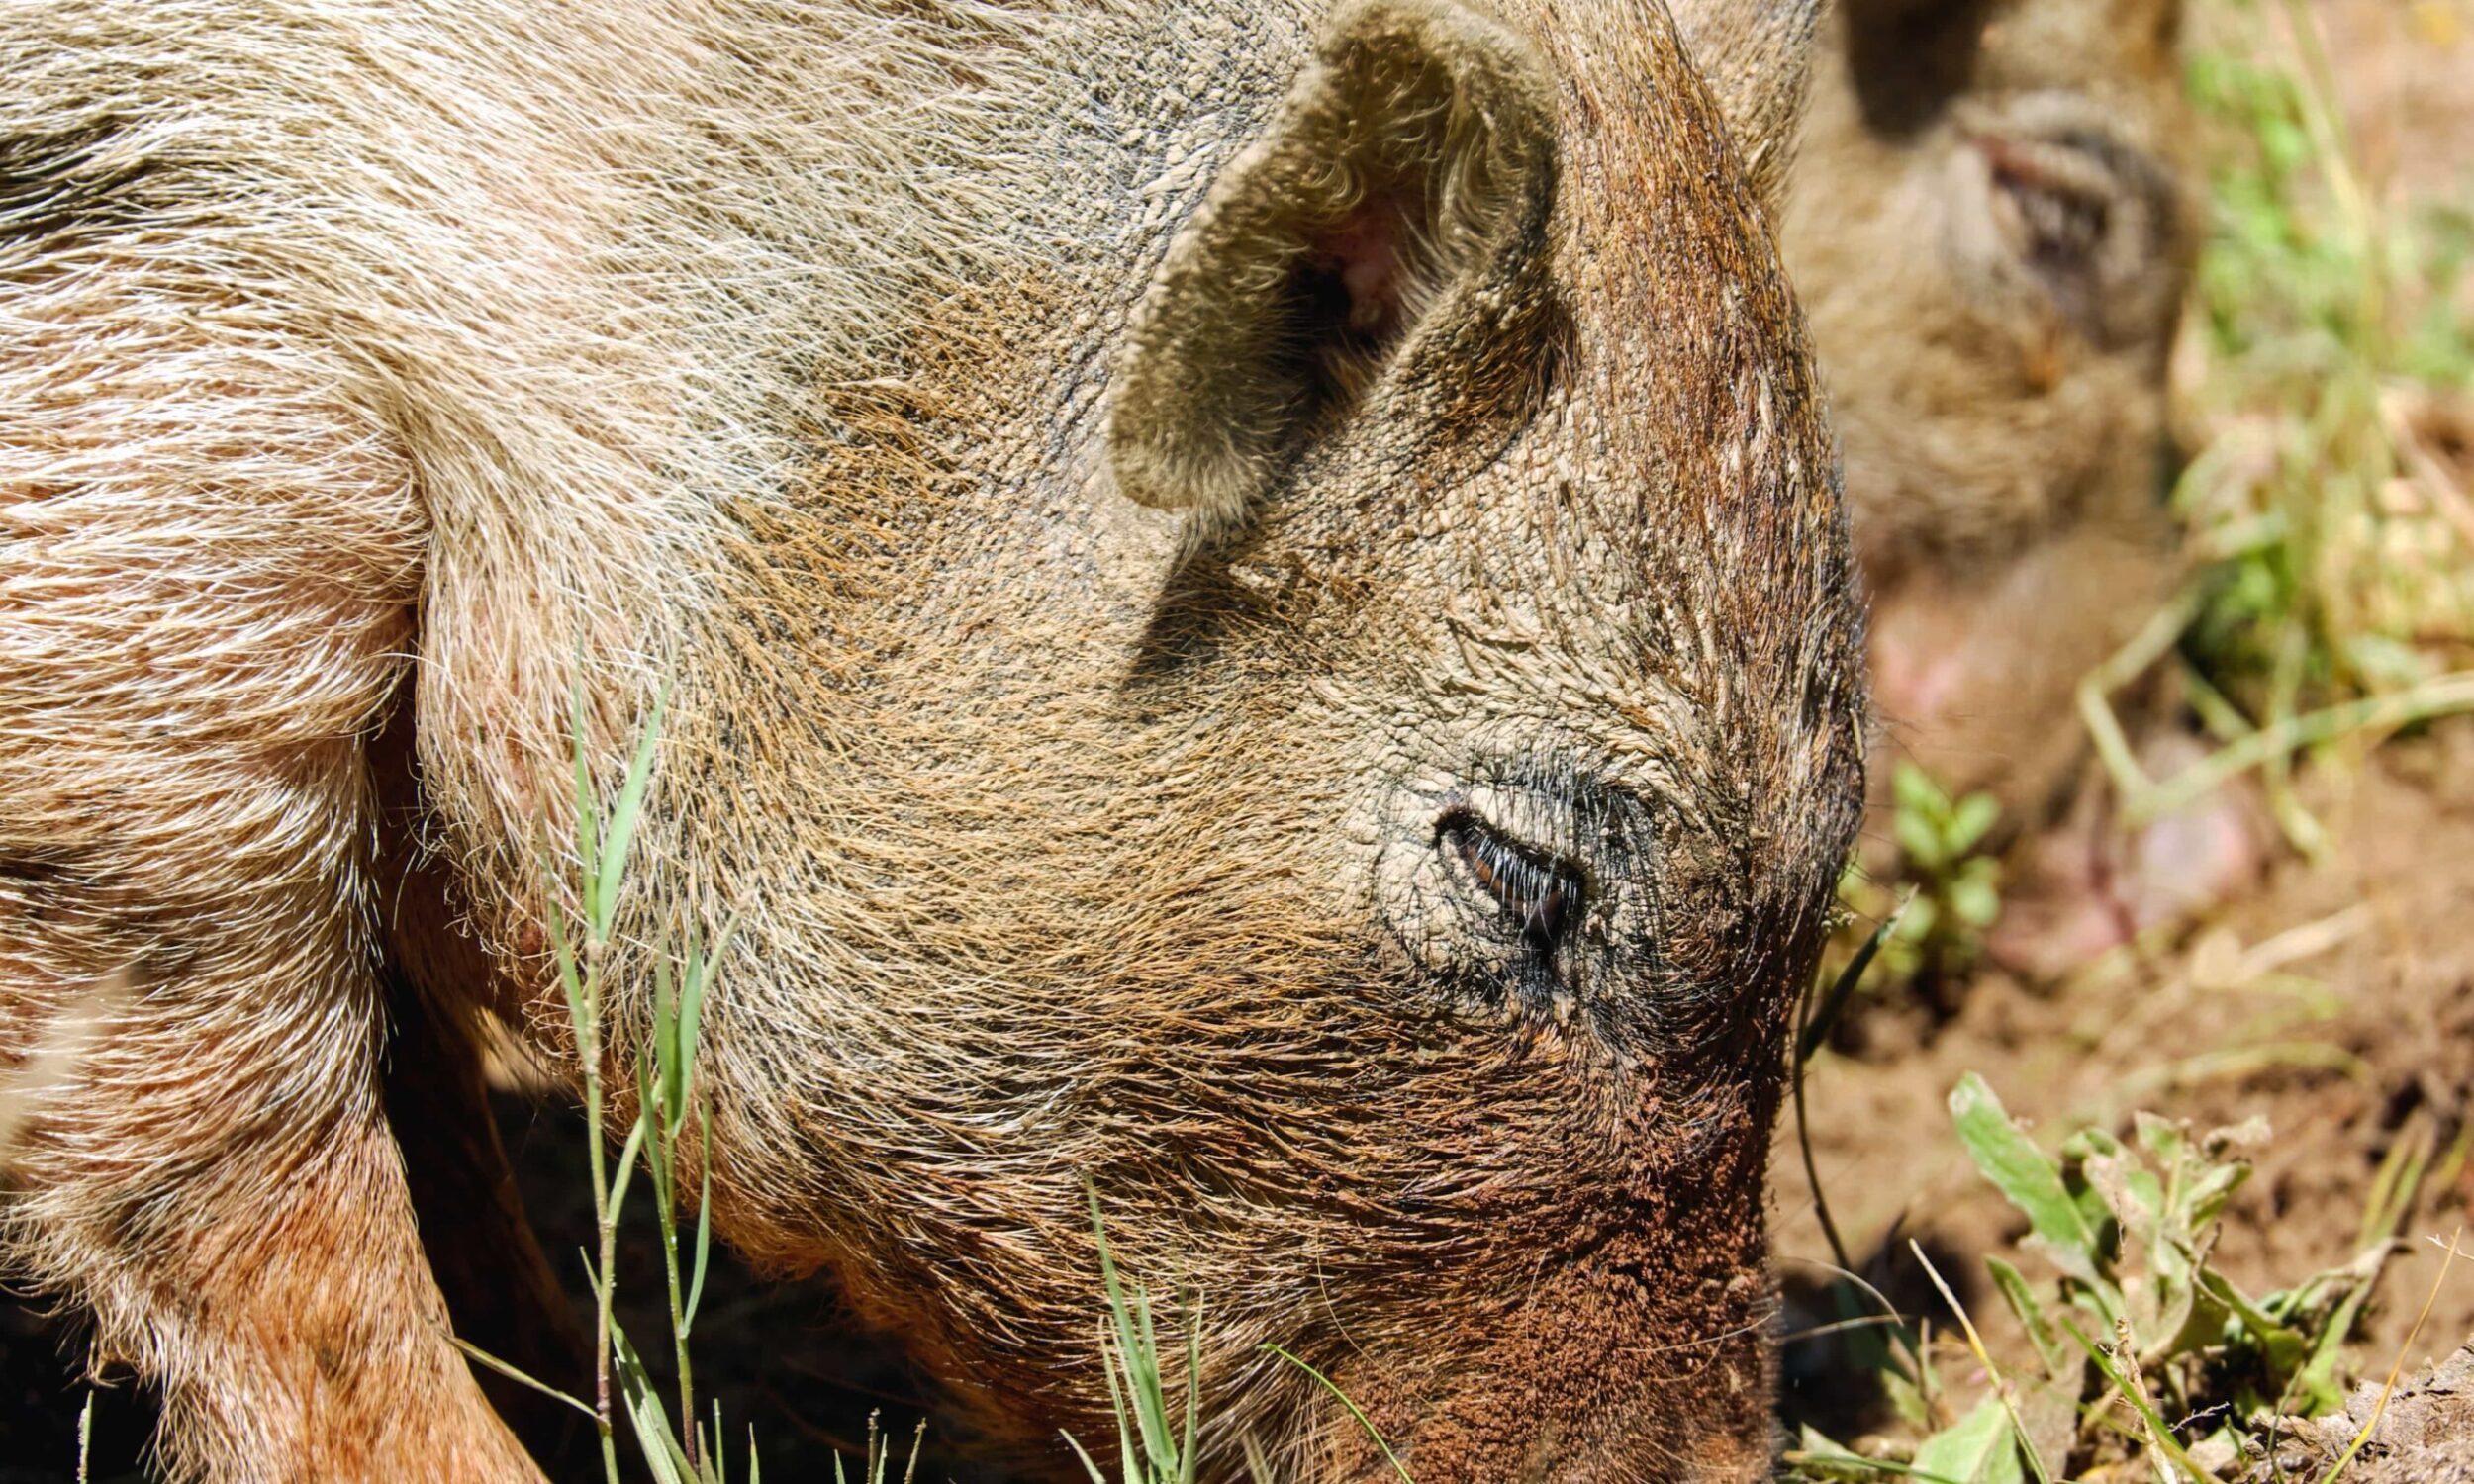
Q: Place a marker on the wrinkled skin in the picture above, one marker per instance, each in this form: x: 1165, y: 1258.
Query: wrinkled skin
x: 1991, y: 225
x: 1332, y: 716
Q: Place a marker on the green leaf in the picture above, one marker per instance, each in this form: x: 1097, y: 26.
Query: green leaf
x: 2031, y: 1316
x: 1906, y: 1399
x: 1918, y: 838
x: 2204, y: 1201
x: 1979, y: 1448
x: 1971, y: 822
x: 2318, y: 1383
x: 2280, y: 1347
x: 1818, y: 1457
x: 1974, y: 899
x: 2024, y: 1175
x: 2130, y: 1192
x: 1915, y: 791
x: 2162, y: 1138
x: 1817, y: 1445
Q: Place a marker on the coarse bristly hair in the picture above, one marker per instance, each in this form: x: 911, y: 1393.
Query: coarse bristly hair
x: 387, y: 389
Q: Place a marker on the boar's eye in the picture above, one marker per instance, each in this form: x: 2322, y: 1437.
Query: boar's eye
x: 2089, y: 219
x: 1541, y: 896
x: 2061, y: 196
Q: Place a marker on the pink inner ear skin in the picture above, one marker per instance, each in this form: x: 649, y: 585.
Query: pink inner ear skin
x: 1365, y: 248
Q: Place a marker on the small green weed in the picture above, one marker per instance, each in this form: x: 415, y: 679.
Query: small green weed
x: 1947, y: 892
x: 2137, y: 1327
x: 2329, y: 363
x: 1150, y: 1451
x: 669, y: 1121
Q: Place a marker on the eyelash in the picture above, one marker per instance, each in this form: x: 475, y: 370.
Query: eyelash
x: 1542, y: 895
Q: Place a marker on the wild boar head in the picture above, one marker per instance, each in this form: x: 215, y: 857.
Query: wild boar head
x: 1320, y: 696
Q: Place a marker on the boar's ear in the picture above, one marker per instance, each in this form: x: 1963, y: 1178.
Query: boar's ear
x: 1413, y: 156
x: 1757, y: 55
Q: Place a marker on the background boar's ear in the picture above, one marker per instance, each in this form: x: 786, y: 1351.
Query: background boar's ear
x: 1414, y: 158
x: 1757, y: 55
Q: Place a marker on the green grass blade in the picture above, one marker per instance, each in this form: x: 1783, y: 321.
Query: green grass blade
x: 1194, y: 1389
x: 664, y: 1045
x: 704, y: 1232
x: 646, y: 1415
x: 656, y: 1147
x: 481, y: 1356
x: 1130, y: 1351
x: 2029, y: 1313
x: 568, y: 978
x: 588, y: 816
x: 627, y: 1166
x: 1089, y: 1467
x: 1152, y: 1390
x: 1127, y: 1454
x: 1353, y: 1409
x: 619, y: 834
x: 691, y: 997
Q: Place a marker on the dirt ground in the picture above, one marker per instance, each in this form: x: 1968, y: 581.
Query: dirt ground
x: 2336, y: 1001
